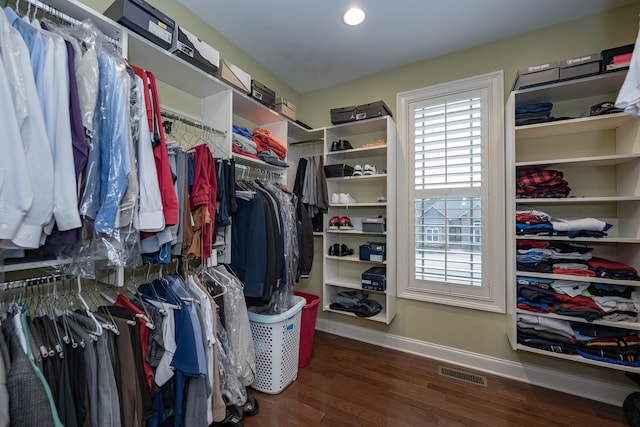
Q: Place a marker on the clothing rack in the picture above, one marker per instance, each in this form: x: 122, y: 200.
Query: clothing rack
x: 35, y: 281
x: 251, y: 172
x: 55, y: 13
x: 189, y: 122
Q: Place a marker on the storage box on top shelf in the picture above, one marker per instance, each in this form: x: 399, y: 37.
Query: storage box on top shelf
x: 343, y: 115
x: 536, y: 75
x: 582, y: 66
x: 372, y: 110
x: 263, y: 94
x: 359, y: 112
x: 193, y: 50
x: 286, y: 107
x: 144, y: 19
x: 617, y: 58
x: 235, y: 76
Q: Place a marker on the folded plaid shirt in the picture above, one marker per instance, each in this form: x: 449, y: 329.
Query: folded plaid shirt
x: 536, y: 182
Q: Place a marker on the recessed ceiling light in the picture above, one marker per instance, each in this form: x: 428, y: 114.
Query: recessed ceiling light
x: 353, y: 16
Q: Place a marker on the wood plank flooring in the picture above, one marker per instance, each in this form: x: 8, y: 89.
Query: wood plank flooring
x: 350, y: 383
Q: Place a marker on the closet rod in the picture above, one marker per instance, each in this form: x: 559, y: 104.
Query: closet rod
x: 42, y: 280
x: 257, y: 172
x: 62, y: 16
x: 191, y: 123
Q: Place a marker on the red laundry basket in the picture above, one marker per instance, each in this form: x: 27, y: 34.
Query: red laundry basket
x: 307, y: 326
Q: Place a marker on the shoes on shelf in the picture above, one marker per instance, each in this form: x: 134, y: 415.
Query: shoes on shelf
x: 345, y: 223
x: 342, y: 199
x: 341, y: 144
x: 357, y: 170
x: 381, y: 199
x: 338, y: 249
x: 345, y: 250
x: 370, y: 170
x: 334, y: 223
x: 346, y: 199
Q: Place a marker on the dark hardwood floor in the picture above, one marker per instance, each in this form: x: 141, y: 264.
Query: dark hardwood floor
x: 350, y: 383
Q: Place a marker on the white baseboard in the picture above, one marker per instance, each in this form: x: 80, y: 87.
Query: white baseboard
x: 566, y: 383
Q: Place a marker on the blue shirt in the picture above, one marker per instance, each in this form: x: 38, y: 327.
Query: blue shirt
x: 115, y: 166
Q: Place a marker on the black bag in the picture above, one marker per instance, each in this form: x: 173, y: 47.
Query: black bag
x: 631, y: 409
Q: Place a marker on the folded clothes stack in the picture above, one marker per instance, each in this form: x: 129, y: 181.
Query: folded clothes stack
x: 356, y: 302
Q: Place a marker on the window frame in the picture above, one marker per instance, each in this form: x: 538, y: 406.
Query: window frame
x: 491, y: 295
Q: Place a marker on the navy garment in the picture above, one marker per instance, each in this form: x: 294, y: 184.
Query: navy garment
x: 185, y: 358
x: 249, y: 246
x: 222, y: 212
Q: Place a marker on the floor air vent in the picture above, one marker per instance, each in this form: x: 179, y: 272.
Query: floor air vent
x: 461, y: 375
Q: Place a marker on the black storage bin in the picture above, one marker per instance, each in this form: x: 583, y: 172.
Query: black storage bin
x: 263, y: 94
x: 608, y: 56
x: 193, y: 50
x: 343, y: 115
x: 144, y: 19
x: 337, y: 171
x: 371, y: 110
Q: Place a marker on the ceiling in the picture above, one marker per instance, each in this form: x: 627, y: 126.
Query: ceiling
x: 306, y: 44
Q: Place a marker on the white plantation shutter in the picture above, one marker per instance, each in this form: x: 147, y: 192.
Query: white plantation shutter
x: 453, y: 158
x: 447, y: 150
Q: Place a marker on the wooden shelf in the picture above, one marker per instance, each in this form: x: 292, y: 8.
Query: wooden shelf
x: 572, y: 126
x: 578, y: 359
x: 583, y: 162
x: 578, y: 278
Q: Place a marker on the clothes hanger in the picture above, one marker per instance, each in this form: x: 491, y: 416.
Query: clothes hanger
x: 98, y: 331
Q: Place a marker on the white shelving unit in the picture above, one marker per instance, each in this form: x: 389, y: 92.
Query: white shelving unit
x: 600, y: 159
x: 342, y: 273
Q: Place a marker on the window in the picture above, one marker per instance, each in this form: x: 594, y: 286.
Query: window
x: 452, y: 160
x: 431, y: 234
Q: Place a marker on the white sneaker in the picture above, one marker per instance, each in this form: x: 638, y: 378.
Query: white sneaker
x: 357, y: 170
x: 370, y: 170
x: 335, y: 198
x: 346, y: 199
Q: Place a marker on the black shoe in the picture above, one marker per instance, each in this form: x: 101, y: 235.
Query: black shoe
x: 343, y: 144
x: 334, y: 146
x: 250, y: 407
x: 334, y: 250
x: 344, y: 250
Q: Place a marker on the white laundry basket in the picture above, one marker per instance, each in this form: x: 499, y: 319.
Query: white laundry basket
x: 276, y: 339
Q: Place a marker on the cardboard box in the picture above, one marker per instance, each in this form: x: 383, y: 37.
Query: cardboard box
x: 234, y: 76
x: 286, y: 107
x: 372, y: 251
x: 338, y: 171
x: 612, y: 59
x: 536, y: 75
x: 263, y: 94
x: 374, y: 279
x: 582, y: 66
x: 193, y: 50
x: 144, y: 19
x: 374, y: 225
